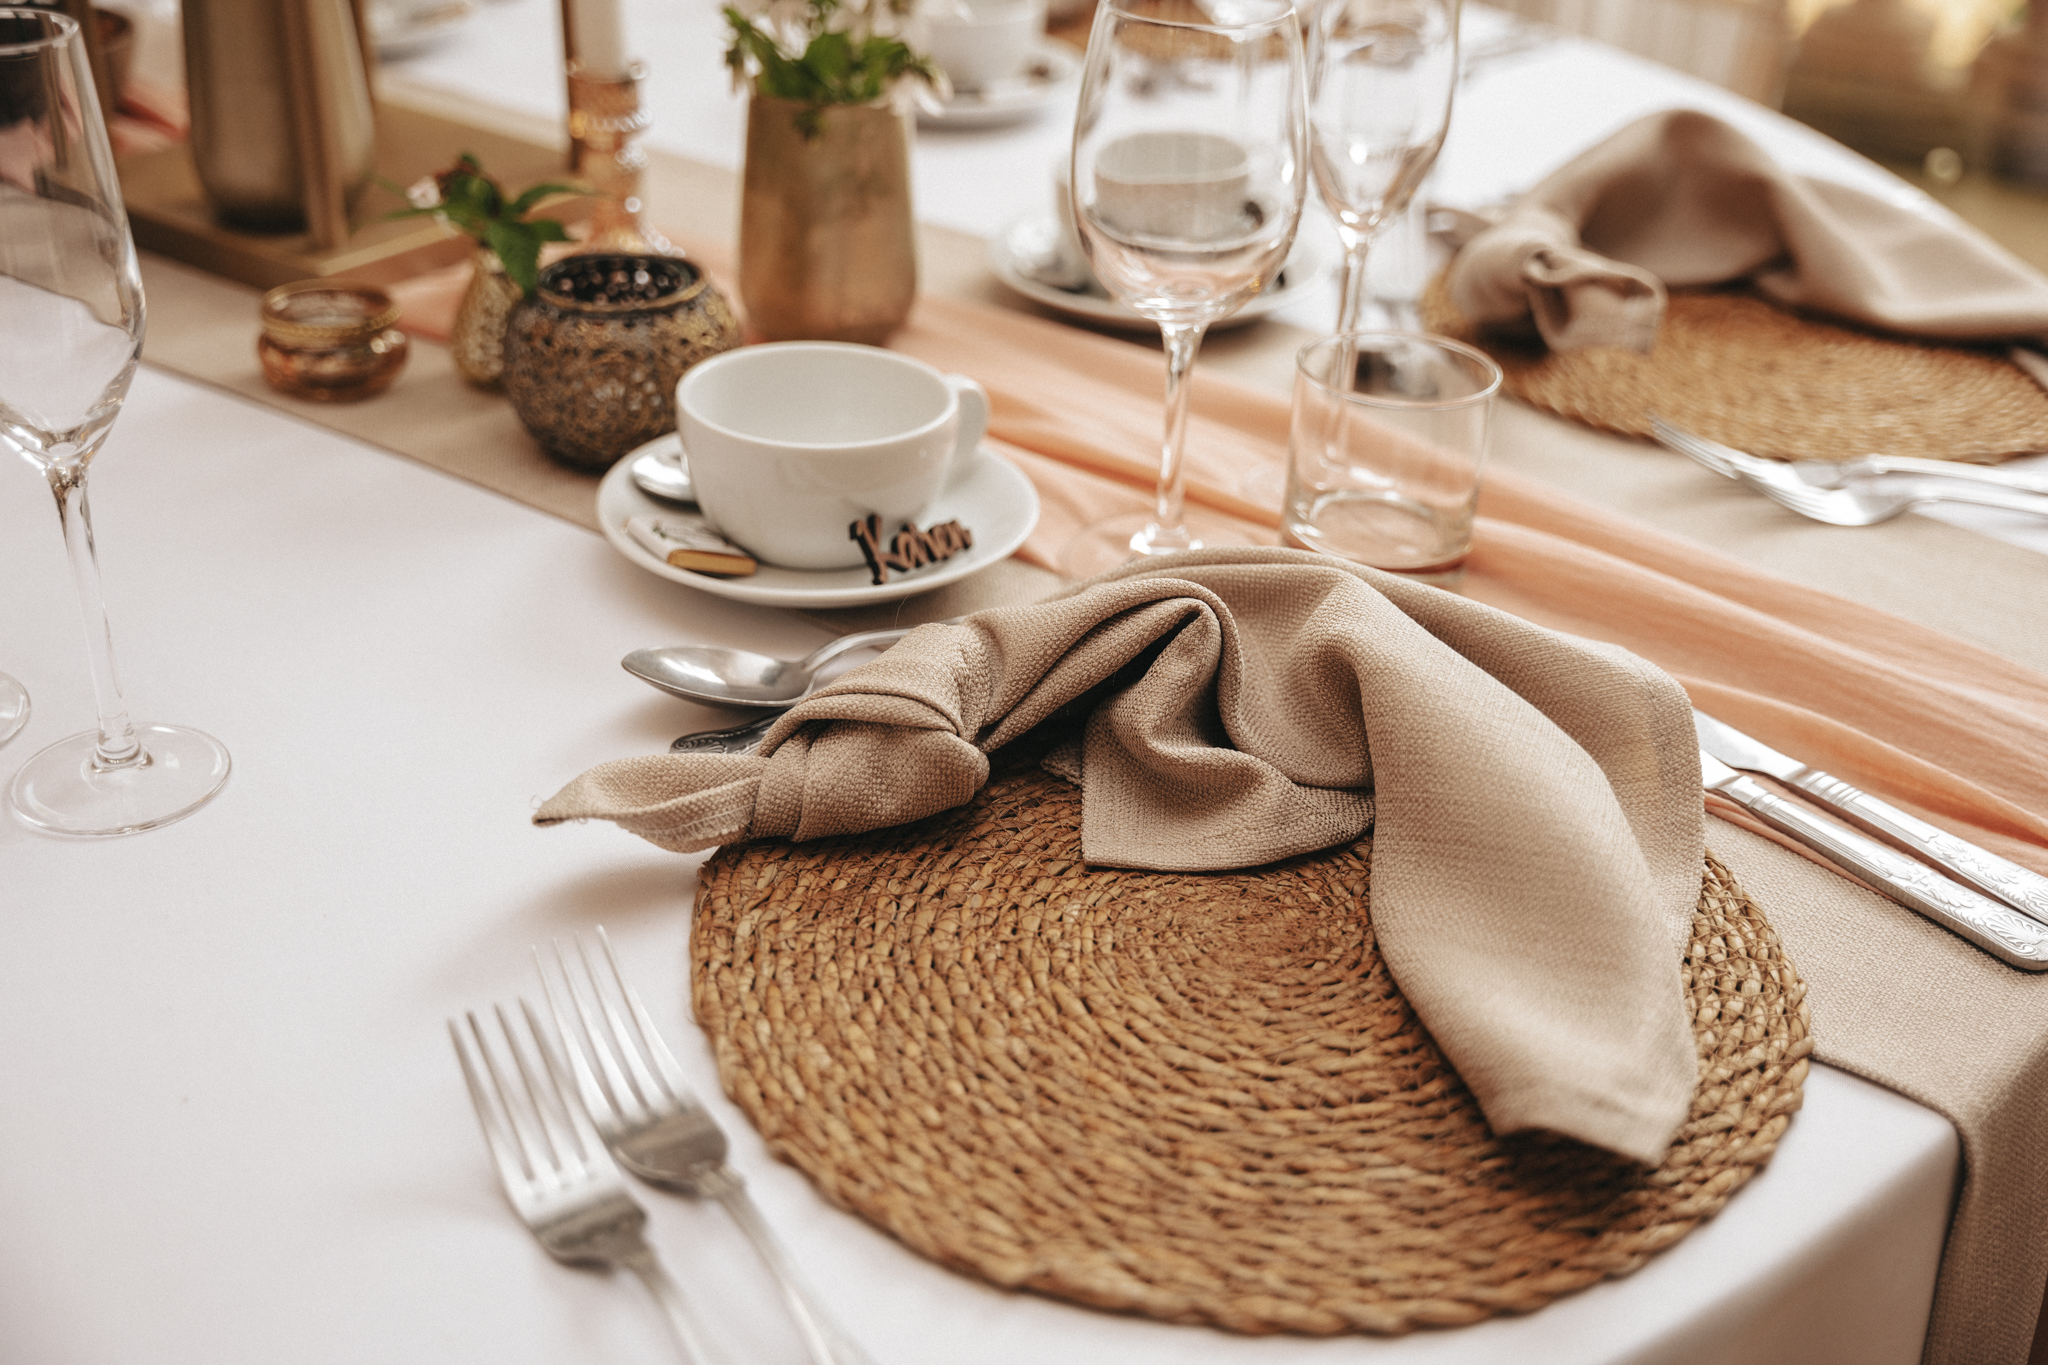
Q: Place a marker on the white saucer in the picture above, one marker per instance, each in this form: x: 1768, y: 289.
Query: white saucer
x: 990, y: 497
x: 1052, y: 66
x: 1031, y: 237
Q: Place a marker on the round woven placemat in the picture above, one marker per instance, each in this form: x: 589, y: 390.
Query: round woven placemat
x: 1198, y: 1097
x: 1732, y: 367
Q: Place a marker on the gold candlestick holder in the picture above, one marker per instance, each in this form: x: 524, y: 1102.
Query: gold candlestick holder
x: 605, y: 118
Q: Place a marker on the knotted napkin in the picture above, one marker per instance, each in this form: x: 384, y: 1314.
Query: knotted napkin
x: 1681, y: 199
x: 1535, y: 797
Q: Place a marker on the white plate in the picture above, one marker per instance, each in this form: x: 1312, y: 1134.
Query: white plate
x: 404, y: 28
x: 990, y: 497
x: 1051, y: 67
x: 1030, y: 237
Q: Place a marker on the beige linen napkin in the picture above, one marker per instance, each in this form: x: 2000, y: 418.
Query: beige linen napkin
x: 1536, y: 856
x: 1681, y: 199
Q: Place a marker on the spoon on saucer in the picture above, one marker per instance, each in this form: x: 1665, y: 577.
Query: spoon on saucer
x: 662, y: 470
x: 739, y: 677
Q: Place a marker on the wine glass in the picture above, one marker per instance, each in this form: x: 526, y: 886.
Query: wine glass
x: 1189, y: 171
x: 1381, y: 74
x: 70, y: 336
x: 1381, y: 77
x: 13, y: 708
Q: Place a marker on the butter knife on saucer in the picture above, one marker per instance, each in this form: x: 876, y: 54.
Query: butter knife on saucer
x: 1996, y: 877
x: 1996, y: 928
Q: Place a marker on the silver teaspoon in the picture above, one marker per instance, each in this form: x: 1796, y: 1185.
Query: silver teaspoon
x: 661, y: 469
x: 738, y: 677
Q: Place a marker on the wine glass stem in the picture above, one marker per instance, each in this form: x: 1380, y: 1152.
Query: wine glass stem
x: 118, y: 746
x: 1168, y: 531
x: 1356, y: 287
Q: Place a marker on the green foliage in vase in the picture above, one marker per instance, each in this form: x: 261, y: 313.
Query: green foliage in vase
x: 824, y: 52
x: 473, y: 203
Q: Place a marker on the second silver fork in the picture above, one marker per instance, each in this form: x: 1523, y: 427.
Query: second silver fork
x: 642, y: 1105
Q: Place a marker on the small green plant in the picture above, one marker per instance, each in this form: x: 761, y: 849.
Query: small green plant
x: 823, y: 52
x: 472, y: 202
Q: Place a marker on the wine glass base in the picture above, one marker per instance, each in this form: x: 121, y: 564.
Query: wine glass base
x: 13, y: 708
x: 1107, y: 544
x: 59, y: 791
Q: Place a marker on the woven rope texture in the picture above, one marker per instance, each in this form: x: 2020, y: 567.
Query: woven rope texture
x: 1198, y: 1097
x: 1741, y: 371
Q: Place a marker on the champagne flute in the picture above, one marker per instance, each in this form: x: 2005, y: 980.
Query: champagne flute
x: 70, y: 336
x: 1381, y: 77
x: 1189, y: 172
x: 1381, y: 74
x: 13, y: 708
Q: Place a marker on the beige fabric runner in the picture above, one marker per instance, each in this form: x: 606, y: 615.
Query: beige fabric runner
x: 1530, y: 788
x: 1680, y: 198
x: 1793, y: 622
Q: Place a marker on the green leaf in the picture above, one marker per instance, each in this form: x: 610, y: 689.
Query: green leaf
x: 518, y: 207
x: 518, y: 249
x: 546, y: 230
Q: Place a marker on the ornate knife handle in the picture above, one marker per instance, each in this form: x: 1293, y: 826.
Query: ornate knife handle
x: 2024, y: 891
x: 740, y: 739
x: 2004, y: 933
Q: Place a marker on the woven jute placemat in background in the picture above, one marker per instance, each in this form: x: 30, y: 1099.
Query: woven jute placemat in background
x: 1742, y: 371
x: 1196, y: 1097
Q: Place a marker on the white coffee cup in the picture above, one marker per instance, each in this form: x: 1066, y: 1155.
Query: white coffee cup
x: 792, y: 442
x: 980, y: 42
x: 1168, y: 183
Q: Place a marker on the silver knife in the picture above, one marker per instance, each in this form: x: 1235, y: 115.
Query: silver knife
x: 2024, y: 891
x: 1997, y: 929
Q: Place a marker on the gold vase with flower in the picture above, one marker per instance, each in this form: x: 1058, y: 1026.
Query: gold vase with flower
x: 828, y: 247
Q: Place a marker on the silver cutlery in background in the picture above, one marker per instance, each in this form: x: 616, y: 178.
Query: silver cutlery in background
x: 1863, y: 501
x: 641, y: 1103
x: 1731, y: 463
x: 556, y: 1171
x: 2002, y: 880
x: 1868, y: 504
x: 1998, y: 929
x: 740, y: 677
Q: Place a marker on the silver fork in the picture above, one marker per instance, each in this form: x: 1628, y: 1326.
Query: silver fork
x: 1726, y: 460
x: 1866, y: 506
x: 556, y: 1171
x: 643, y: 1107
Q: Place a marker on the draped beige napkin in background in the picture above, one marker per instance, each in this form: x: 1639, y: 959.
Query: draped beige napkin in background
x: 1680, y: 199
x: 1537, y: 846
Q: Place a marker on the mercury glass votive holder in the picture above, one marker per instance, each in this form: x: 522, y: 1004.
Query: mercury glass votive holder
x: 592, y: 356
x: 331, y: 341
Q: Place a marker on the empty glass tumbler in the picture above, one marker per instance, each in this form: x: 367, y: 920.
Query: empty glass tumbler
x: 1386, y: 450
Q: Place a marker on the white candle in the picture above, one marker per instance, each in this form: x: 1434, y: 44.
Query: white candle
x: 600, y: 33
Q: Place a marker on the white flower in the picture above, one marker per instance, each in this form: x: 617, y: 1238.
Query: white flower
x: 424, y: 193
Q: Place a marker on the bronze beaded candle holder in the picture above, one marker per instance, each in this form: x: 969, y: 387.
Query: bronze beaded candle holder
x: 593, y: 355
x: 604, y: 119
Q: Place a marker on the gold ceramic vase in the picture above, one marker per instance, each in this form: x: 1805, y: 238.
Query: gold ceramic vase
x: 477, y: 342
x: 828, y: 251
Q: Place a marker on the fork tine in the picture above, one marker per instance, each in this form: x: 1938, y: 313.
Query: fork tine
x: 591, y: 1087
x: 635, y: 1058
x: 545, y: 1106
x: 628, y: 1102
x: 590, y: 1144
x: 650, y: 1037
x: 505, y: 1153
x: 1694, y: 447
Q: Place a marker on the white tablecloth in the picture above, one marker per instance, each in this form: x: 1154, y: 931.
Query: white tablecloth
x: 232, y: 1131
